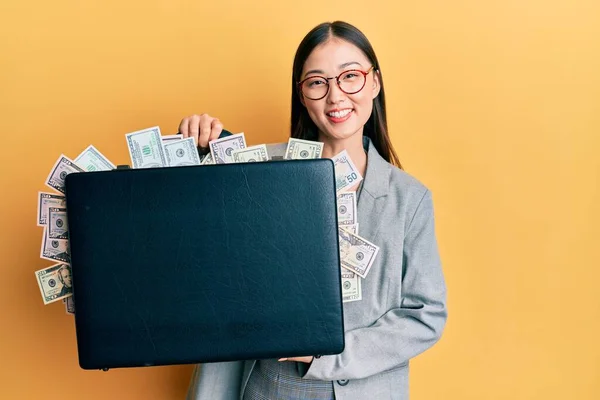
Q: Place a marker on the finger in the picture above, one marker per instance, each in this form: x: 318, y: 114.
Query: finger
x: 194, y: 127
x: 205, y: 128
x: 183, y: 127
x: 282, y: 359
x: 216, y: 129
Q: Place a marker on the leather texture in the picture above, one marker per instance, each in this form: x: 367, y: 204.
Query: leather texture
x: 204, y: 264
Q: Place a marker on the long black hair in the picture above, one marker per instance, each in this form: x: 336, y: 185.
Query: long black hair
x: 376, y: 127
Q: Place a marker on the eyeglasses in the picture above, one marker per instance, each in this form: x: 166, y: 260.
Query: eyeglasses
x: 350, y: 82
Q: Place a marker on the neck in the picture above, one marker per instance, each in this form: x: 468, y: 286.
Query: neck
x: 353, y: 145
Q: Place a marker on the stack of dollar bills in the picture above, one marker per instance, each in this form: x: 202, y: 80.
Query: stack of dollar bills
x: 149, y: 149
x: 55, y: 281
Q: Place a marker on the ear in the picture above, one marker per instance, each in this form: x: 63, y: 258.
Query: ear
x: 376, y: 83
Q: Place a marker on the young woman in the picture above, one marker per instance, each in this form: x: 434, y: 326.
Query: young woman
x: 338, y: 99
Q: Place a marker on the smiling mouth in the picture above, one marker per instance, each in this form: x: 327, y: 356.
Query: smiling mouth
x: 339, y: 114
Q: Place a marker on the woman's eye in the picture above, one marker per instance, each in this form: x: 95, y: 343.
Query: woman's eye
x: 316, y: 82
x: 350, y: 75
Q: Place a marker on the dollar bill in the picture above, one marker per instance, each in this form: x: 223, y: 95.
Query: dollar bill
x: 207, y: 160
x: 146, y: 149
x: 55, y: 249
x: 351, y: 286
x: 346, y: 173
x: 351, y: 228
x: 92, y: 160
x: 45, y: 201
x: 182, y: 152
x: 63, y: 167
x: 357, y: 254
x: 299, y: 149
x: 346, y: 203
x: 170, y: 138
x: 69, y: 305
x: 57, y: 226
x: 222, y: 149
x: 251, y: 154
x: 55, y: 282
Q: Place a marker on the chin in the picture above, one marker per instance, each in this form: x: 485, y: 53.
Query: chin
x: 339, y: 133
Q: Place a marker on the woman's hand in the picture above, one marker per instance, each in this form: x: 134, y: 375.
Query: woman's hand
x: 203, y: 128
x: 307, y: 359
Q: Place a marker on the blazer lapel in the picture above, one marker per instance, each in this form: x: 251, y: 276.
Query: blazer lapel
x: 374, y: 192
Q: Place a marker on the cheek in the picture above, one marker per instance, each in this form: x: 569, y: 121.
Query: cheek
x: 315, y: 111
x: 364, y: 105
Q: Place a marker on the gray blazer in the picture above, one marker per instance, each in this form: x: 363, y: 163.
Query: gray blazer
x: 403, y: 310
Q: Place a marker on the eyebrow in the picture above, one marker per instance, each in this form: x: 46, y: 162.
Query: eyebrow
x: 341, y: 66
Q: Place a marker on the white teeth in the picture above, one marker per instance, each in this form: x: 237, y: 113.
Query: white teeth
x: 339, y: 114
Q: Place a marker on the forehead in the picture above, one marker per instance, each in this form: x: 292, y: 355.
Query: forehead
x: 334, y: 52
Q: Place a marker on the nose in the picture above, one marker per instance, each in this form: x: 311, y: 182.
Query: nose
x: 335, y: 94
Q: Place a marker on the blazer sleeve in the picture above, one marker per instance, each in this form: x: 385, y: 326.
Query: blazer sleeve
x: 402, y: 332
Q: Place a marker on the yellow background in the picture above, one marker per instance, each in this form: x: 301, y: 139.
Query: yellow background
x: 495, y: 105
